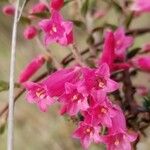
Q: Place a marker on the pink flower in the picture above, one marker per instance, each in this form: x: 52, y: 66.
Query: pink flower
x: 142, y: 63
x: 119, y: 141
x: 118, y: 137
x: 31, y: 68
x: 30, y: 32
x: 101, y: 113
x: 8, y: 10
x: 111, y: 52
x: 108, y: 54
x: 38, y: 8
x: 57, y: 30
x: 56, y: 4
x: 98, y: 80
x: 73, y: 100
x: 122, y: 42
x: 56, y: 81
x: 38, y: 93
x: 141, y: 6
x: 87, y: 134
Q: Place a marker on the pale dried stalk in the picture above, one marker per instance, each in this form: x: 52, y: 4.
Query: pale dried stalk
x: 21, y: 10
x: 10, y: 133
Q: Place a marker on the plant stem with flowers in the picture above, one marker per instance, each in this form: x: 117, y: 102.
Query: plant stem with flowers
x: 99, y: 94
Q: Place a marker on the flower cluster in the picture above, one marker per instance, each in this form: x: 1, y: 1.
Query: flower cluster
x: 84, y: 91
x: 81, y: 91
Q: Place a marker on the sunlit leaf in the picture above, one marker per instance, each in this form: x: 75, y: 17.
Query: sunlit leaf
x: 4, y: 86
x: 25, y: 20
x: 2, y: 125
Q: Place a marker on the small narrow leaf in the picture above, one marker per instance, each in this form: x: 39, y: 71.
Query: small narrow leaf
x: 4, y: 86
x: 146, y: 102
x: 2, y: 125
x: 24, y: 20
x: 85, y: 7
x: 132, y: 53
x: 78, y: 23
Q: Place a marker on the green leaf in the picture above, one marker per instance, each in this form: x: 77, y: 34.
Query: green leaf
x: 42, y: 15
x: 132, y: 53
x: 78, y: 23
x: 50, y: 67
x: 4, y: 86
x: 85, y: 7
x: 146, y: 102
x: 2, y: 125
x: 24, y: 20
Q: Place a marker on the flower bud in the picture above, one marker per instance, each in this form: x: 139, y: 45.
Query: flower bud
x: 8, y: 10
x: 30, y: 32
x: 38, y: 8
x: 56, y: 4
x: 31, y: 68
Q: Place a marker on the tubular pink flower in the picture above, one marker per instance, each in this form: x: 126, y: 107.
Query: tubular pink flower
x: 31, y: 68
x: 114, y: 50
x: 8, y: 10
x: 30, y: 32
x: 122, y: 42
x: 37, y: 93
x: 118, y: 137
x: 87, y: 134
x: 98, y: 80
x: 73, y: 100
x: 142, y: 63
x: 119, y: 141
x: 38, y: 8
x: 108, y: 54
x: 101, y: 113
x: 56, y: 81
x: 57, y: 30
x: 56, y: 4
x: 141, y: 6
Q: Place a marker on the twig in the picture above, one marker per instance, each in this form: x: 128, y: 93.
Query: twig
x: 10, y: 133
x: 77, y: 55
x: 138, y: 31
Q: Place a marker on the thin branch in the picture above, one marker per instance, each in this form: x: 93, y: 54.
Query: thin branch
x: 77, y: 55
x: 10, y: 133
x: 138, y: 32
